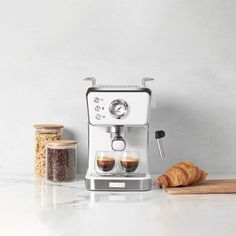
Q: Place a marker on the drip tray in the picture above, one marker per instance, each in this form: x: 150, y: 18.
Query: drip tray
x: 138, y: 182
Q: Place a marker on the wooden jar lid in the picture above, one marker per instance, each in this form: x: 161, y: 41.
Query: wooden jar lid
x: 61, y: 143
x: 48, y: 126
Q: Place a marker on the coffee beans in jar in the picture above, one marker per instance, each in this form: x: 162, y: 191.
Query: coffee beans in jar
x: 44, y: 133
x: 62, y: 160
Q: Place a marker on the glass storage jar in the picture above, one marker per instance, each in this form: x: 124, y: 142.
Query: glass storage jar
x: 62, y: 160
x: 44, y: 133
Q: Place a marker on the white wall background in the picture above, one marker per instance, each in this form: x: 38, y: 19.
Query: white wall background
x: 47, y: 47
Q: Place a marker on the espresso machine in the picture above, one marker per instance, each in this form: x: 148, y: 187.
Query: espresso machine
x: 118, y: 126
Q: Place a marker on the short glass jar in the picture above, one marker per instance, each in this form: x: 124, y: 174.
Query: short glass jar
x: 61, y: 161
x: 44, y: 133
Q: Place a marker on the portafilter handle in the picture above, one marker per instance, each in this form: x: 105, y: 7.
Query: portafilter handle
x: 158, y: 136
x: 118, y: 144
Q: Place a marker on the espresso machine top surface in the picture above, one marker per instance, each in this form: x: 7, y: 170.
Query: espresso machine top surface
x: 99, y: 87
x: 118, y: 88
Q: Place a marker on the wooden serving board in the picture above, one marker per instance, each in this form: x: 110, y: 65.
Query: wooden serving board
x: 206, y: 187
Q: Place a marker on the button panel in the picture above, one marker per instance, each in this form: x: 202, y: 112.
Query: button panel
x: 99, y: 108
x: 138, y: 103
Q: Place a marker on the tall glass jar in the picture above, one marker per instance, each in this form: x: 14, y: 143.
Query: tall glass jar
x: 62, y: 160
x: 44, y: 133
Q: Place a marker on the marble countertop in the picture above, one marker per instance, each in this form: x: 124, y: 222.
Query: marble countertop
x: 33, y: 206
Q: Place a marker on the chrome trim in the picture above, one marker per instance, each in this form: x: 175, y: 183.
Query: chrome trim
x: 118, y: 129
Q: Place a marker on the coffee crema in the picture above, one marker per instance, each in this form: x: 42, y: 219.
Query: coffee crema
x: 129, y: 164
x: 106, y: 163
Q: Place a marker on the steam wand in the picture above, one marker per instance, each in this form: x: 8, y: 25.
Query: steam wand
x: 159, y: 135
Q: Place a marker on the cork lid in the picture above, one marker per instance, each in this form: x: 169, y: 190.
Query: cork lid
x: 48, y: 126
x: 61, y: 143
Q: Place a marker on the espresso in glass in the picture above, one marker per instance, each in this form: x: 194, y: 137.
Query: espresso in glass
x: 129, y: 164
x: 106, y: 163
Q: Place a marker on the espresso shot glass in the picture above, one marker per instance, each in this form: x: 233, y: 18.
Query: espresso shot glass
x: 129, y: 162
x: 105, y: 163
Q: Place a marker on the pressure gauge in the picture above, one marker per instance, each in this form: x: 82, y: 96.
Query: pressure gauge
x: 118, y: 108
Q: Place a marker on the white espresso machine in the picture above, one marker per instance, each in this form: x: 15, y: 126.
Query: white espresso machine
x: 118, y: 126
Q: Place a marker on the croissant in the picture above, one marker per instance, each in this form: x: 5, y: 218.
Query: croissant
x: 181, y: 174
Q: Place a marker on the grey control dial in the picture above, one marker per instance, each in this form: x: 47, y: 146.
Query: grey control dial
x: 97, y: 108
x: 98, y: 117
x: 96, y: 99
x: 118, y: 108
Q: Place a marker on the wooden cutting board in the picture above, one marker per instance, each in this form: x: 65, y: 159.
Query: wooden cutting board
x: 206, y: 187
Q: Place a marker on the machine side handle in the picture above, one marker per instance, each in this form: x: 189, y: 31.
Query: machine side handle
x: 158, y: 136
x: 93, y: 80
x: 146, y: 79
